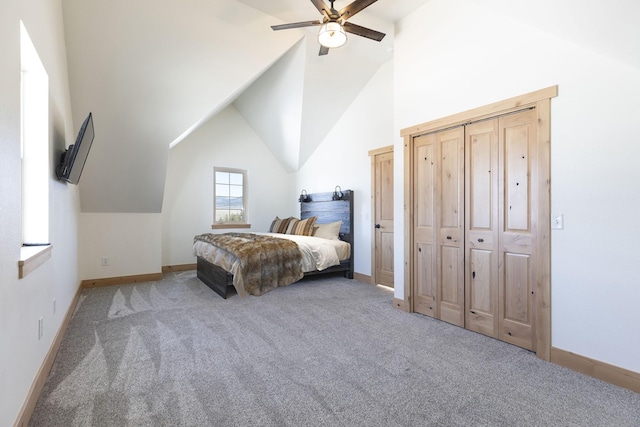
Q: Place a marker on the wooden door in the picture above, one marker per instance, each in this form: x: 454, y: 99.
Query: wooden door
x: 450, y: 223
x: 482, y: 229
x: 517, y: 215
x: 438, y: 228
x: 500, y: 220
x: 507, y: 227
x: 424, y: 225
x: 382, y: 166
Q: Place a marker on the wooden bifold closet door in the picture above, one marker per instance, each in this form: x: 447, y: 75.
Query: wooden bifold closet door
x: 474, y: 240
x: 439, y: 225
x: 501, y: 176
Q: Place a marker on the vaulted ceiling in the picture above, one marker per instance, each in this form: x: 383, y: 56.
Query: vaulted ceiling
x: 153, y: 71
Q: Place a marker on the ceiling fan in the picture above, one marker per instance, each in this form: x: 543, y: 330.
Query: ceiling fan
x: 334, y: 25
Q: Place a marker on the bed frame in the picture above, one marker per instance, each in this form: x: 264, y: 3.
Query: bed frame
x: 321, y: 205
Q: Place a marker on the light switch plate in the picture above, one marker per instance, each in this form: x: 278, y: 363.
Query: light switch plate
x: 557, y: 222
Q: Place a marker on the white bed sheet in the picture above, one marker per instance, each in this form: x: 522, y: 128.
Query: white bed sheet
x: 317, y: 253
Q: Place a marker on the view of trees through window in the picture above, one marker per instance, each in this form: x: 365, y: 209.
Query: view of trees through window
x: 229, y: 196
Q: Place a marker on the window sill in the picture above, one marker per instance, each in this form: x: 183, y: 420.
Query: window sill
x: 31, y: 257
x: 222, y: 226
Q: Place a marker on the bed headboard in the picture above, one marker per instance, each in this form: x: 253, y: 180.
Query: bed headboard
x: 328, y: 210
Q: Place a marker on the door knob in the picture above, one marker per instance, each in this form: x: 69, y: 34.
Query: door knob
x: 377, y: 226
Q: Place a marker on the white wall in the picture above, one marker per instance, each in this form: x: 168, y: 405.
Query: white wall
x: 130, y: 243
x: 342, y: 158
x: 226, y: 141
x: 24, y: 301
x: 452, y: 55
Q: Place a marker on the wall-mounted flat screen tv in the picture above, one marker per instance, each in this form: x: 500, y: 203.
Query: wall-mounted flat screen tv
x: 73, y: 159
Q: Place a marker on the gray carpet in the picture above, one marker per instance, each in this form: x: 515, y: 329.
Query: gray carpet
x: 322, y: 352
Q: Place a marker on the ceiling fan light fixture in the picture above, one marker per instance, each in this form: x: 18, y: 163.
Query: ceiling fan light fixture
x: 332, y: 35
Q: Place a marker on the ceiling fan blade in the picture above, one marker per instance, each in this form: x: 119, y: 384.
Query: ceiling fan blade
x: 322, y: 7
x: 355, y: 7
x: 295, y: 25
x: 323, y: 50
x: 363, y: 32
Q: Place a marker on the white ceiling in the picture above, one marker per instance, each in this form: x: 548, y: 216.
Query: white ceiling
x: 301, y: 10
x: 152, y: 71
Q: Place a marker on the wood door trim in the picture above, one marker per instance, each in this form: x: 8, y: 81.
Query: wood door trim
x: 543, y: 272
x: 596, y: 369
x: 408, y: 222
x: 541, y: 100
x: 382, y: 150
x: 487, y: 111
x: 121, y: 280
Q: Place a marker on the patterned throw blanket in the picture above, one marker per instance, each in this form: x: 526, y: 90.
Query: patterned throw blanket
x: 265, y: 262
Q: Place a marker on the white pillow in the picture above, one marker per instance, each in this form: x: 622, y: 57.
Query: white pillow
x: 328, y: 231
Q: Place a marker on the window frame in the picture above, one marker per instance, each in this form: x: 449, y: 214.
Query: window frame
x: 231, y: 224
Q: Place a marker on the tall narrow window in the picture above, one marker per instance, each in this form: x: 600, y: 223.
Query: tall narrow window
x: 34, y: 143
x: 230, y: 198
x: 34, y: 154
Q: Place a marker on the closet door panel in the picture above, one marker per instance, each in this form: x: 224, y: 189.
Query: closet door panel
x: 518, y: 149
x: 452, y: 279
x: 481, y: 239
x: 425, y: 279
x: 481, y: 300
x: 450, y: 220
x: 452, y: 179
x: 482, y: 147
x: 518, y: 300
x: 517, y: 288
x: 424, y: 225
x: 517, y: 172
x: 424, y: 183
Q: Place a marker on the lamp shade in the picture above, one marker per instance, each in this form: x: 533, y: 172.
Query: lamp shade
x: 332, y: 35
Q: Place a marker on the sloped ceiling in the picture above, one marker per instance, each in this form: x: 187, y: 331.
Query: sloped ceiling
x: 273, y: 106
x: 294, y: 104
x: 152, y: 71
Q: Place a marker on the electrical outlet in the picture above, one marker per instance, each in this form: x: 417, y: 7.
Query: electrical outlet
x: 557, y: 222
x: 104, y: 262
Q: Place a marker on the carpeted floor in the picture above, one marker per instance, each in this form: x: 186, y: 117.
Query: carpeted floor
x: 322, y: 352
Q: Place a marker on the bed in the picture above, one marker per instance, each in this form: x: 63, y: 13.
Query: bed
x: 222, y: 266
